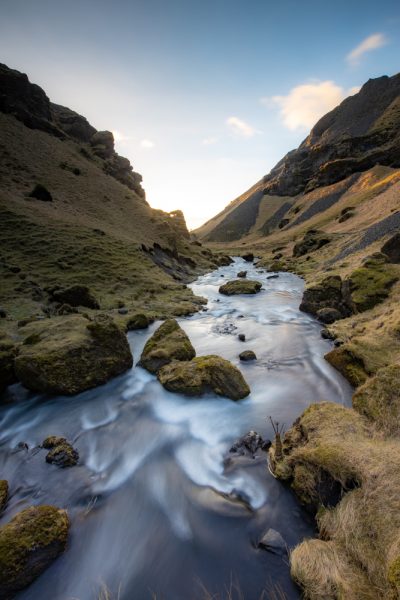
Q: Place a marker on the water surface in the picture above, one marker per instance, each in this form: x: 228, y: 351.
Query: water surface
x: 147, y: 502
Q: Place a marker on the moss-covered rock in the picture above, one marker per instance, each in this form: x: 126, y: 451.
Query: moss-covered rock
x: 313, y: 240
x: 71, y: 354
x: 61, y: 453
x: 349, y: 364
x: 247, y: 355
x: 327, y: 294
x: 240, y: 286
x: 168, y: 343
x: 3, y: 494
x: 242, y: 274
x: 379, y: 399
x: 138, y: 321
x: 29, y: 543
x: 8, y: 352
x: 392, y: 248
x: 75, y: 295
x: 370, y: 284
x: 204, y: 374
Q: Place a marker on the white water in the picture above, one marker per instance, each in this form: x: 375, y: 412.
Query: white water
x: 146, y: 515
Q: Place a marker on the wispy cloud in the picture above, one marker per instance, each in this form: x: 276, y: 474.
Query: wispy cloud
x: 148, y: 144
x: 239, y: 127
x: 209, y: 141
x: 372, y: 42
x: 305, y: 104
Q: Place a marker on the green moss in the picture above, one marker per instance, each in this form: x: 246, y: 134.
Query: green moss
x: 240, y: 286
x: 379, y: 400
x: 138, y: 321
x: 371, y: 283
x: 3, y: 494
x: 393, y: 575
x: 28, y: 544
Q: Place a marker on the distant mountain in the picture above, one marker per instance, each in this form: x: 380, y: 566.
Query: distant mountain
x: 362, y: 132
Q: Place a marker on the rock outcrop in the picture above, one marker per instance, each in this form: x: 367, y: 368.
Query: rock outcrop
x: 204, y: 374
x: 240, y: 286
x: 67, y: 355
x: 29, y: 543
x: 168, y: 343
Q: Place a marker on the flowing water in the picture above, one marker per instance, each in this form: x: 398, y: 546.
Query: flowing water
x: 150, y: 516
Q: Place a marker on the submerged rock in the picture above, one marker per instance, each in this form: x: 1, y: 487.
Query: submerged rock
x: 237, y: 286
x: 273, y: 542
x: 61, y: 453
x: 3, y: 494
x: 168, y: 343
x: 247, y: 355
x: 67, y: 355
x: 204, y: 374
x: 29, y: 543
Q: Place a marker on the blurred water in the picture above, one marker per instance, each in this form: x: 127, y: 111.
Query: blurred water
x: 149, y: 519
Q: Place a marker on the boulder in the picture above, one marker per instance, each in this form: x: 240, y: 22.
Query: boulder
x: 273, y: 542
x: 8, y: 352
x: 138, y: 321
x: 247, y: 355
x: 241, y: 337
x: 327, y: 294
x: 75, y: 295
x: 66, y: 355
x: 251, y: 442
x: 329, y: 315
x: 249, y: 257
x: 392, y: 248
x: 102, y: 143
x: 40, y: 192
x: 242, y: 274
x: 204, y: 374
x: 240, y: 286
x: 349, y: 364
x: 3, y: 494
x: 61, y: 453
x: 29, y: 543
x: 313, y: 240
x: 168, y: 343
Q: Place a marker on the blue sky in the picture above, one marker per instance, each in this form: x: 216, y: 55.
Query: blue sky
x: 204, y: 97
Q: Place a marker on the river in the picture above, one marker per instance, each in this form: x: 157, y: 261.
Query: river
x: 149, y: 518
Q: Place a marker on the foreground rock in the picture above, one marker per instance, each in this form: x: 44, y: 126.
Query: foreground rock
x: 3, y: 494
x: 204, y: 374
x: 240, y: 286
x: 61, y: 453
x: 29, y: 543
x: 67, y: 355
x: 168, y: 343
x: 251, y: 442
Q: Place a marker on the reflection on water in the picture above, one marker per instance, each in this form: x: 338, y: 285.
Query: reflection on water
x: 149, y: 517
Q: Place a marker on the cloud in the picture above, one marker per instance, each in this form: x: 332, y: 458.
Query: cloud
x: 305, y: 104
x: 209, y: 141
x: 372, y: 42
x: 147, y: 144
x: 239, y: 127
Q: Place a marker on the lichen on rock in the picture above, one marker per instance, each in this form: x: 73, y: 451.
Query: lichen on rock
x: 168, y: 343
x: 204, y: 374
x: 29, y: 543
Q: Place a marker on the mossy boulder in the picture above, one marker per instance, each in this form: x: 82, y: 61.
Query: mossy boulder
x: 29, y: 543
x: 61, y: 453
x: 137, y: 321
x: 247, y: 355
x: 71, y: 354
x: 328, y: 315
x: 242, y: 274
x: 312, y: 240
x: 204, y: 374
x: 8, y: 352
x: 349, y: 364
x: 326, y: 295
x: 3, y: 494
x: 75, y: 295
x: 370, y: 284
x: 379, y: 399
x: 240, y: 286
x: 168, y: 343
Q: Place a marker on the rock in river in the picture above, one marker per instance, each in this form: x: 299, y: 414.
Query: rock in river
x: 240, y: 286
x: 168, y: 343
x: 204, y: 374
x: 273, y: 542
x: 247, y: 355
x: 61, y: 453
x: 29, y: 543
x: 66, y: 355
x: 251, y: 442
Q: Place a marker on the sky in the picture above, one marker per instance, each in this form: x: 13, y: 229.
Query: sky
x: 204, y: 97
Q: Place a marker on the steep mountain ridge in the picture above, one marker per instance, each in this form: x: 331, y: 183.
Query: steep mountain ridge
x: 363, y: 131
